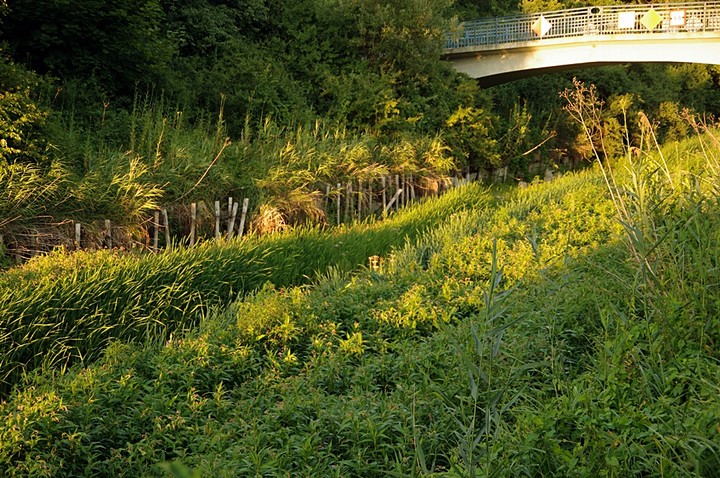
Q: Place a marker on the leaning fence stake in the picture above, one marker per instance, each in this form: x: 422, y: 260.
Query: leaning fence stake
x: 217, y: 220
x: 156, y: 230
x: 193, y: 218
x: 231, y: 221
x: 243, y: 216
x: 394, y: 199
x: 167, y: 227
x: 241, y: 228
x: 78, y: 228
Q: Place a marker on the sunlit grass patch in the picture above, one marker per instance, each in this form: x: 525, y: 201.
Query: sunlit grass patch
x: 67, y: 307
x: 514, y: 339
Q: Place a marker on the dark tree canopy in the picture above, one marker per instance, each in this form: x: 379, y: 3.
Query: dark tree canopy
x: 115, y: 43
x: 369, y: 64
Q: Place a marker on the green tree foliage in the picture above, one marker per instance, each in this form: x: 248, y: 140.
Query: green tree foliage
x: 365, y: 63
x: 114, y: 43
x: 20, y: 116
x: 534, y: 6
x: 469, y: 134
x: 465, y: 9
x: 202, y: 29
x: 661, y: 91
x: 220, y: 56
x: 372, y: 67
x: 248, y: 81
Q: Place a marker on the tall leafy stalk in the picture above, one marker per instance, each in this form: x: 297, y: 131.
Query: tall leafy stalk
x: 661, y: 210
x: 481, y: 414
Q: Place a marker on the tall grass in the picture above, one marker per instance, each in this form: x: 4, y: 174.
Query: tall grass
x: 514, y: 338
x: 361, y: 375
x: 25, y: 192
x: 67, y: 307
x: 122, y: 165
x: 201, y: 160
x: 666, y: 200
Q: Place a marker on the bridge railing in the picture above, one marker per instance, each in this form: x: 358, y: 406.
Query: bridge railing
x: 598, y: 20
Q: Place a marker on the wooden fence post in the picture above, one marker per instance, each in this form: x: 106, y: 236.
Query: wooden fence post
x: 35, y: 243
x: 231, y: 221
x: 217, y: 220
x: 229, y: 217
x: 370, y: 197
x: 241, y: 228
x: 348, y: 200
x: 397, y: 188
x: 384, y: 193
x: 156, y: 230
x: 193, y: 219
x: 108, y: 234
x: 166, y: 222
x: 78, y: 229
x: 339, y: 193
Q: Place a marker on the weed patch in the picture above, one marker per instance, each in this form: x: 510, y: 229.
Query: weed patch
x: 522, y: 339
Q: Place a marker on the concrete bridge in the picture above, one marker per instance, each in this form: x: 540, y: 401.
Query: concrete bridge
x: 497, y: 50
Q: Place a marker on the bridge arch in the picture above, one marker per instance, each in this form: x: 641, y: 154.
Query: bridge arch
x: 498, y: 50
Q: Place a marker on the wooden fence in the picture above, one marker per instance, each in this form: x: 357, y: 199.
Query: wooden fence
x: 342, y: 203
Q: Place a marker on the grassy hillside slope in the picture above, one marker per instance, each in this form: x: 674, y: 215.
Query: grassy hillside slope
x: 65, y: 308
x: 570, y: 330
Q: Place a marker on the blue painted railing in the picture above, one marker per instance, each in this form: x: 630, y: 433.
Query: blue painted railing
x: 598, y: 20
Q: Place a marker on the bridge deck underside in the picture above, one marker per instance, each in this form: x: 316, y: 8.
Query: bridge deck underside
x: 507, y: 62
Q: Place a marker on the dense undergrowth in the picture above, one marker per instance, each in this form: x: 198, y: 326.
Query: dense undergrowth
x: 154, y: 158
x: 65, y: 307
x: 569, y: 330
x: 267, y: 114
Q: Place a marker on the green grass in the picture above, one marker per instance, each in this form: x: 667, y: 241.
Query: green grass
x: 133, y: 163
x: 66, y: 307
x: 525, y: 339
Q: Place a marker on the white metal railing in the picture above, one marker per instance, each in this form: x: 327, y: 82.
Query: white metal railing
x: 599, y: 20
